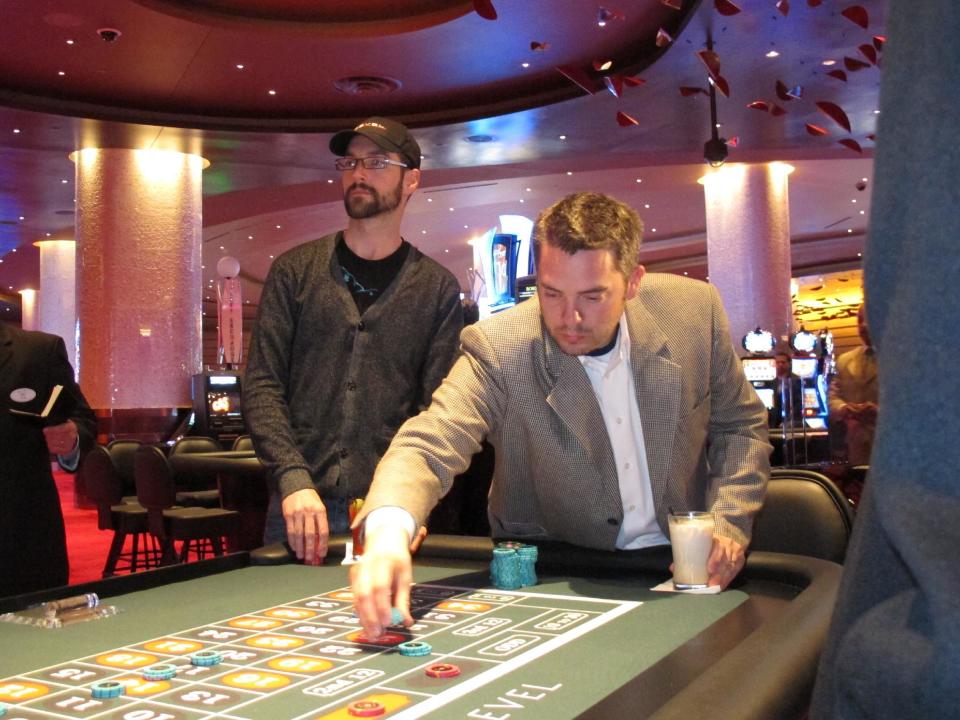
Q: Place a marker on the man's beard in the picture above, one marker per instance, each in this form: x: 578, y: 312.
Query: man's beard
x: 362, y: 208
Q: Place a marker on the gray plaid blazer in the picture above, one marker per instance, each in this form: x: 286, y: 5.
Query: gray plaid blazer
x: 704, y: 428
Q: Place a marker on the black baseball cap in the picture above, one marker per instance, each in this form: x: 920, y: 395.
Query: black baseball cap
x: 388, y: 134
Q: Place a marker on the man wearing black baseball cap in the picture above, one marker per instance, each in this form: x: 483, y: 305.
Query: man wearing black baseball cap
x: 355, y: 330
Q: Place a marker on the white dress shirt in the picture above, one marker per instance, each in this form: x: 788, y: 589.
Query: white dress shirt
x: 616, y: 393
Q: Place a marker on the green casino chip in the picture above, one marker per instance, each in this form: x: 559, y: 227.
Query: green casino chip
x: 206, y: 658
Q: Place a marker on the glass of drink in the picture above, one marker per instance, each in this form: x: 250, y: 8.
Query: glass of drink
x: 691, y: 537
x: 354, y: 508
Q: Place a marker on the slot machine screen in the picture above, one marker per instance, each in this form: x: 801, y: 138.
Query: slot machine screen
x: 759, y: 369
x: 811, y: 401
x: 223, y: 396
x: 804, y: 367
x: 766, y: 396
x: 816, y: 423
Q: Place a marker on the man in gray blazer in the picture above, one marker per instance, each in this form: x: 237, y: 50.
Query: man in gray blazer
x: 609, y: 398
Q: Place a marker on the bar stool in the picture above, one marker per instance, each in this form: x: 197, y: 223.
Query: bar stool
x: 126, y: 519
x: 198, y: 529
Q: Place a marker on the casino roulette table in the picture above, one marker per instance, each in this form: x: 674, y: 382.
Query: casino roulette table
x: 590, y: 640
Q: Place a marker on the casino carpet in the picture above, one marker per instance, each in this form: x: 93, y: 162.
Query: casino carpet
x: 87, y: 546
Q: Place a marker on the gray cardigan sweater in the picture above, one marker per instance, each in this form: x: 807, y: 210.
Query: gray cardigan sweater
x: 325, y: 388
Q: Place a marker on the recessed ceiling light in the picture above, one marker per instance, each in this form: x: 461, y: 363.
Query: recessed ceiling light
x: 853, y: 200
x: 859, y: 255
x: 563, y: 137
x: 828, y: 63
x: 271, y: 92
x: 466, y: 227
x: 863, y: 212
x: 684, y: 272
x: 451, y: 209
x: 330, y: 181
x: 64, y: 181
x: 446, y: 250
x: 239, y: 66
x: 772, y: 54
x: 70, y: 42
x: 876, y: 112
x: 569, y: 172
x: 279, y: 226
x: 423, y: 232
x: 270, y: 256
x: 249, y: 237
x: 527, y: 189
x: 429, y: 199
x: 61, y: 73
x: 16, y: 131
x: 865, y: 179
x: 849, y: 230
x: 22, y: 217
x: 221, y: 247
x: 525, y: 65
x: 639, y: 180
x: 646, y: 206
x: 653, y: 229
x: 521, y: 199
x: 48, y: 234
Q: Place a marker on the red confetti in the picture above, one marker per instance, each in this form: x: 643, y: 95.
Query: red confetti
x: 633, y: 81
x: 784, y: 7
x: 485, y: 9
x: 688, y: 91
x: 725, y: 7
x: 776, y: 110
x: 578, y: 77
x: 663, y: 38
x: 816, y: 130
x: 782, y: 92
x: 711, y: 60
x: 857, y: 14
x: 675, y: 4
x: 733, y: 142
x: 878, y: 41
x: 869, y: 52
x: 852, y: 64
x: 759, y: 105
x: 625, y: 120
x: 838, y: 74
x: 539, y: 46
x: 852, y: 144
x: 722, y: 85
x: 835, y: 113
x: 614, y: 84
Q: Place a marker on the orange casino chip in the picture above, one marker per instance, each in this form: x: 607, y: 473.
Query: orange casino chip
x: 442, y: 670
x: 366, y: 708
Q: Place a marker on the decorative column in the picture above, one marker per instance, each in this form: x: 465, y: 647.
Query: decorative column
x: 57, y: 308
x: 748, y: 245
x: 138, y: 277
x: 28, y: 309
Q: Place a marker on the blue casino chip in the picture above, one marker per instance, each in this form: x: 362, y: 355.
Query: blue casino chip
x: 206, y: 658
x: 396, y: 617
x: 106, y: 689
x: 160, y: 672
x: 414, y: 648
x: 3, y: 709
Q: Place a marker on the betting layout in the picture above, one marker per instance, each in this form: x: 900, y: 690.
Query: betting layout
x: 310, y: 659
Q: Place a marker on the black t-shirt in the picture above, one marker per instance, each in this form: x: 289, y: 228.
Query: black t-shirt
x: 367, y: 279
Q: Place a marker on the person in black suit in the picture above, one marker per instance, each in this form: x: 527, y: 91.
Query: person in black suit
x: 32, y: 536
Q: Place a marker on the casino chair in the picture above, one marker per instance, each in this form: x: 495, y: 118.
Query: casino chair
x: 191, y: 491
x: 127, y: 519
x: 804, y: 514
x: 198, y: 529
x: 243, y: 443
x: 122, y: 452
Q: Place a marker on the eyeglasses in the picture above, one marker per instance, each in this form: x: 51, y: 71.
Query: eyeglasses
x: 369, y: 163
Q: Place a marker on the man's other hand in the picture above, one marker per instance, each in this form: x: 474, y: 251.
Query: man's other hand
x: 725, y: 562
x: 307, y: 529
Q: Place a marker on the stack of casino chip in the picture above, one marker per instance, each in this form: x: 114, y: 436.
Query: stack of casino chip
x: 206, y: 658
x: 160, y: 672
x: 527, y: 555
x: 414, y: 648
x: 106, y: 689
x: 505, y: 568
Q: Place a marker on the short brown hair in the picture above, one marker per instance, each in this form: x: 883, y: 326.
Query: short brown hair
x: 591, y: 221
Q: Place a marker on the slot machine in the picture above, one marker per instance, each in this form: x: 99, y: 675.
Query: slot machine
x: 217, y: 407
x: 809, y: 366
x: 760, y: 367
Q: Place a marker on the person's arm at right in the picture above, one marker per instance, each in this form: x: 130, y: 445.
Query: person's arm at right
x: 426, y: 454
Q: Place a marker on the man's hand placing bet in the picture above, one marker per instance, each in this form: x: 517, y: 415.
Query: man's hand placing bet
x: 381, y: 580
x: 307, y: 529
x: 726, y: 560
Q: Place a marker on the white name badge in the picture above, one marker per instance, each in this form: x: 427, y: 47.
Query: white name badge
x: 22, y: 395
